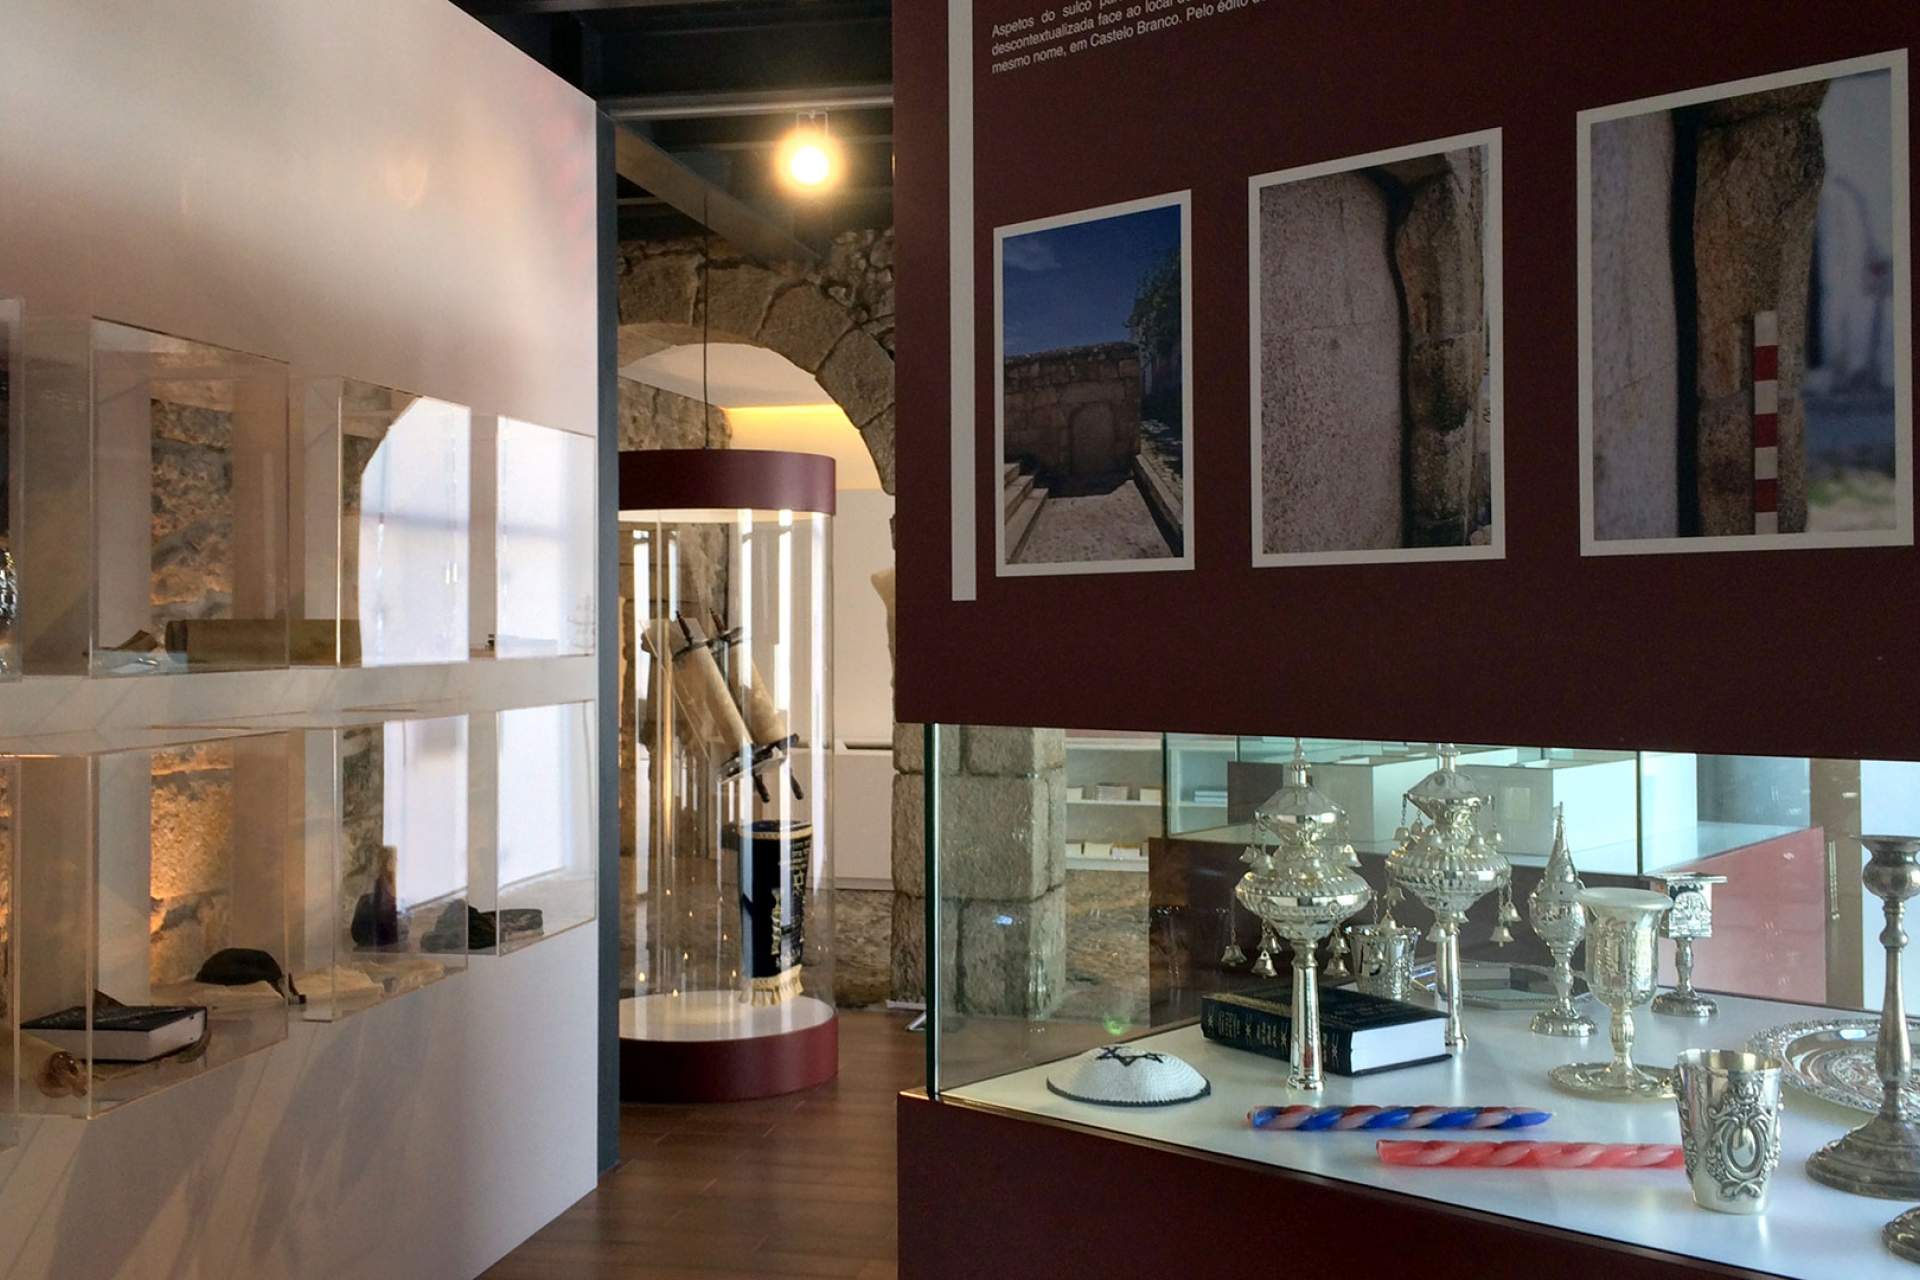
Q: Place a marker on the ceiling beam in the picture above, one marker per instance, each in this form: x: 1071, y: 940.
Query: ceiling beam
x: 756, y: 102
x: 647, y: 166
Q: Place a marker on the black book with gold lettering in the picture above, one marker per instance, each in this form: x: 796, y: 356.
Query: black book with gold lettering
x: 1359, y: 1034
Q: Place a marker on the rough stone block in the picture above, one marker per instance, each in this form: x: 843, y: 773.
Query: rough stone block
x: 1636, y: 481
x: 803, y: 324
x: 909, y: 833
x: 738, y: 297
x: 994, y: 833
x: 192, y: 805
x: 660, y: 289
x: 910, y: 949
x: 909, y: 748
x: 1013, y: 956
x: 877, y: 434
x: 991, y: 749
x: 1331, y: 452
x: 1323, y: 249
x: 858, y: 374
x: 1725, y: 462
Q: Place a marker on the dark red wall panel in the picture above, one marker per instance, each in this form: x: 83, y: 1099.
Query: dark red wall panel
x: 1801, y: 652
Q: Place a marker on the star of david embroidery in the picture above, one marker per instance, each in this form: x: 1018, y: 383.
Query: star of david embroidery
x: 1125, y: 1056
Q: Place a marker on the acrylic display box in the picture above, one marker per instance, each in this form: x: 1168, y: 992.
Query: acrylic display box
x: 382, y: 858
x: 151, y: 876
x: 545, y: 502
x: 727, y: 558
x: 384, y: 478
x: 11, y: 445
x: 535, y: 867
x: 154, y: 535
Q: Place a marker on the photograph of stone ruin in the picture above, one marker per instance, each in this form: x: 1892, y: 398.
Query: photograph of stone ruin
x: 1717, y: 227
x: 1093, y: 397
x: 1372, y: 354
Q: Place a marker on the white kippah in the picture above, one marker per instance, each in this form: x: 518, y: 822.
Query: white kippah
x: 1122, y: 1076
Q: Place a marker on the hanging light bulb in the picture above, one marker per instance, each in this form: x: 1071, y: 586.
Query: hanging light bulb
x: 809, y: 160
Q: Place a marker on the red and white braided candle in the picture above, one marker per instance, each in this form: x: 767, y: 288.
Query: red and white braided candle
x: 1766, y: 422
x: 1529, y: 1155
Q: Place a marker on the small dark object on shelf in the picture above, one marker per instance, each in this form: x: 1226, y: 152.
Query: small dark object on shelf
x: 482, y: 932
x: 244, y: 966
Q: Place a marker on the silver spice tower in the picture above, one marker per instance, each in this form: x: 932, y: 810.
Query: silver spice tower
x: 1554, y: 909
x: 1301, y: 886
x: 1446, y: 862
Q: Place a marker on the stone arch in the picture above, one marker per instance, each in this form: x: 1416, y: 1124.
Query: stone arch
x: 666, y: 300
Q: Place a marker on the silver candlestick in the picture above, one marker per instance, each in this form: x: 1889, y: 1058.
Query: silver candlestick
x: 1882, y: 1156
x: 1299, y: 884
x: 1558, y: 921
x: 1690, y: 919
x: 1447, y: 863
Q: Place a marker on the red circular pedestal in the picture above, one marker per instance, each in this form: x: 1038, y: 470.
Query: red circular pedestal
x: 658, y: 1069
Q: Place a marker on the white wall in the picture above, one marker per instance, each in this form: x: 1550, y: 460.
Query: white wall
x: 381, y: 189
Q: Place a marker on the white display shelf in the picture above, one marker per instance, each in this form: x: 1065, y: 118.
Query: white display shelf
x: 1809, y: 1232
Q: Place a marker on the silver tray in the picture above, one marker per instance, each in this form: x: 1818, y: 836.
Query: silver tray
x: 1495, y: 984
x: 1832, y: 1059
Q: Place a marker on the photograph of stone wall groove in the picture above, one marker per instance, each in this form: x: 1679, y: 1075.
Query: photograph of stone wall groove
x: 1075, y: 413
x: 1706, y: 210
x: 1373, y: 356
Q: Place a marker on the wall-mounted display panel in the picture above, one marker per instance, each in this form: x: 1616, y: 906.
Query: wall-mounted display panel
x: 1387, y: 289
x: 544, y: 541
x: 12, y: 332
x: 385, y: 481
x: 155, y: 532
x: 382, y: 860
x: 535, y: 869
x: 143, y: 914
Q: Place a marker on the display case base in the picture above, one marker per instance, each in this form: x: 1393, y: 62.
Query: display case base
x: 713, y: 1047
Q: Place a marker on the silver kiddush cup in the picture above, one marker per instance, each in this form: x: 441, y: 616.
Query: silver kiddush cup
x: 1383, y: 958
x: 1729, y: 1126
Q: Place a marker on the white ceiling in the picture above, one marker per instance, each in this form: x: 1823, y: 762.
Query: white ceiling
x: 735, y: 376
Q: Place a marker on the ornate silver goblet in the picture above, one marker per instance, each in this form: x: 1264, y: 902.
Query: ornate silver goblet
x: 1882, y: 1156
x: 1621, y: 955
x: 1554, y: 909
x: 1690, y: 919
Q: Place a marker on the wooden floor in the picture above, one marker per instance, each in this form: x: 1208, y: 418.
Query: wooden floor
x: 796, y: 1186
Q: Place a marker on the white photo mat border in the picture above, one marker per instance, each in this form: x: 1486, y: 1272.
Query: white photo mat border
x: 1183, y: 201
x: 1491, y: 283
x: 1901, y: 535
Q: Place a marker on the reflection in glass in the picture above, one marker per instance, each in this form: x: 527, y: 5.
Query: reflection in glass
x: 545, y: 509
x: 10, y: 478
x: 149, y: 878
x: 156, y: 536
x: 544, y: 873
x: 385, y: 851
x: 384, y: 575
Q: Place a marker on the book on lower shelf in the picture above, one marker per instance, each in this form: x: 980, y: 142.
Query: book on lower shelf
x: 1359, y: 1033
x: 123, y: 1033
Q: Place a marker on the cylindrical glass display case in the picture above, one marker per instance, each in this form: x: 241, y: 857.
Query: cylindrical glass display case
x: 726, y: 796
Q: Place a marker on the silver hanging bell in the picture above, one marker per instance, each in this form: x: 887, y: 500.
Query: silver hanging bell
x: 1501, y: 935
x: 1263, y: 966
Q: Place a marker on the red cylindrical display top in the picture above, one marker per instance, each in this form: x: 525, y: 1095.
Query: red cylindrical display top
x: 763, y: 479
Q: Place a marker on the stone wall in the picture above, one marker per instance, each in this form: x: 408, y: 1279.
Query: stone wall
x: 192, y: 523
x: 1331, y: 451
x: 1759, y: 164
x: 833, y: 319
x: 1373, y: 357
x: 1074, y: 413
x: 1636, y: 345
x: 1002, y: 869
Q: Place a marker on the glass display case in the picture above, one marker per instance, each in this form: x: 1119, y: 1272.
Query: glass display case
x: 535, y: 868
x: 12, y: 443
x: 382, y: 858
x: 384, y: 479
x: 143, y: 913
x: 727, y: 790
x: 1041, y: 959
x: 543, y: 541
x: 154, y: 538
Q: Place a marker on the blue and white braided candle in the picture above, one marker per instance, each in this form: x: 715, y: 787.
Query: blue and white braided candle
x: 1316, y: 1119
